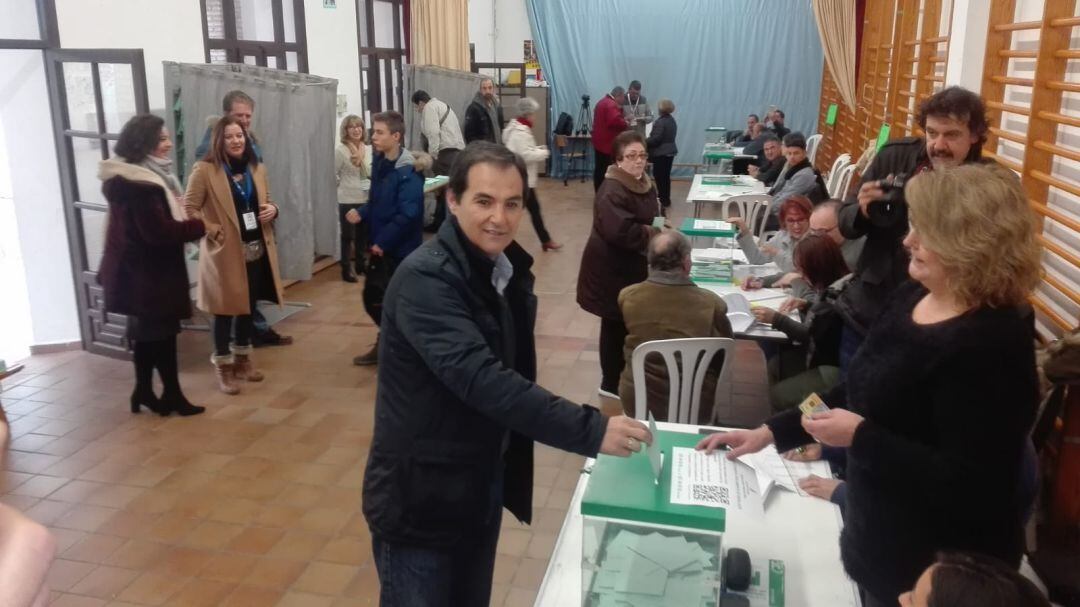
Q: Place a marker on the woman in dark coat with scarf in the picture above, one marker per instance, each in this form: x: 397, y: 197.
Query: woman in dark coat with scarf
x: 614, y: 257
x: 143, y: 270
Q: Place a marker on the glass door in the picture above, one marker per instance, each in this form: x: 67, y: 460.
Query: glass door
x: 93, y: 93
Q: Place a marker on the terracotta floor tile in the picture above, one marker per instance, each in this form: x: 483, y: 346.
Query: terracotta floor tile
x: 202, y: 593
x: 66, y: 538
x: 48, y: 511
x: 153, y: 588
x: 227, y: 567
x: 520, y: 597
x: 325, y: 578
x: 211, y: 535
x: 530, y: 573
x: 94, y: 548
x: 299, y: 545
x: 137, y: 554
x: 347, y: 551
x: 65, y: 573
x: 85, y: 518
x: 184, y: 562
x: 74, y: 600
x: 276, y: 572
x: 513, y: 542
x: 303, y: 599
x: 255, y: 540
x: 105, y: 582
x: 252, y: 596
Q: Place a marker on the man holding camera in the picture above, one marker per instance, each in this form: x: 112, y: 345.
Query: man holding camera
x: 954, y: 120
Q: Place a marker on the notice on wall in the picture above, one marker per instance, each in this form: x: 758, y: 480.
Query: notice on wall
x: 329, y: 3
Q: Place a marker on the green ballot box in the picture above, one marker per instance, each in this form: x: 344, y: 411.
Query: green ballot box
x: 639, y: 548
x: 715, y: 264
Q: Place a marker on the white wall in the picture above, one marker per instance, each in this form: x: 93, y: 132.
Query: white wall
x: 967, y: 44
x: 333, y: 48
x: 498, y: 28
x: 37, y: 305
x: 166, y: 30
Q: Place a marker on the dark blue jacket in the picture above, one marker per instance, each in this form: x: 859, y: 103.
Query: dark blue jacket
x: 395, y: 210
x: 456, y: 408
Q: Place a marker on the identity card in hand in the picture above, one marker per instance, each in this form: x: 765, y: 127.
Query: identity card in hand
x: 813, y: 404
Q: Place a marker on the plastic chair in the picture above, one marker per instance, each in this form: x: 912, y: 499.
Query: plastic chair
x: 694, y: 356
x: 812, y: 143
x: 754, y: 208
x: 843, y: 182
x: 834, y: 174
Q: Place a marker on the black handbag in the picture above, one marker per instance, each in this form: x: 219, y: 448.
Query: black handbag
x: 377, y: 272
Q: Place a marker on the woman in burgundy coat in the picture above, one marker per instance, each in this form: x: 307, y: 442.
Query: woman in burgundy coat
x: 143, y: 270
x: 614, y: 256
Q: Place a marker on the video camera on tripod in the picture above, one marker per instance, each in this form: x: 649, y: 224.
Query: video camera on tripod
x: 584, y: 117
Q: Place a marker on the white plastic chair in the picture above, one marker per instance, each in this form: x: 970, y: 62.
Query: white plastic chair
x: 684, y: 384
x: 751, y: 207
x: 834, y: 174
x: 812, y: 143
x: 843, y: 182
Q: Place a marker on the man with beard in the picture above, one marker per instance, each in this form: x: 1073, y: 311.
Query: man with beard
x: 954, y: 120
x: 484, y: 116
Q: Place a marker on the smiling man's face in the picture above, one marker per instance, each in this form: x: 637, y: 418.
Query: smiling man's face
x: 491, y: 207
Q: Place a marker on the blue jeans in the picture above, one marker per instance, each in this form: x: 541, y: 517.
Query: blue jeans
x: 459, y: 576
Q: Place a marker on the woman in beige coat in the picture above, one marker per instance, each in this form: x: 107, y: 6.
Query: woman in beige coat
x: 238, y: 256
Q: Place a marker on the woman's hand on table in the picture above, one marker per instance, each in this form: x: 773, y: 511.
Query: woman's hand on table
x: 624, y: 436
x: 741, y: 442
x: 806, y: 453
x: 267, y: 213
x: 835, y: 427
x: 791, y: 304
x: 819, y: 487
x: 752, y: 283
x: 787, y: 279
x: 763, y: 314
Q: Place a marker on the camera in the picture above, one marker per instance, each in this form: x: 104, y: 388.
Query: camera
x: 585, y: 98
x: 886, y: 210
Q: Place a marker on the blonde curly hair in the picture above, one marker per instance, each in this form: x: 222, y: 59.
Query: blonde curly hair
x: 976, y: 219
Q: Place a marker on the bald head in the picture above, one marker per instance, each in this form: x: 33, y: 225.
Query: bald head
x: 669, y: 251
x: 825, y: 220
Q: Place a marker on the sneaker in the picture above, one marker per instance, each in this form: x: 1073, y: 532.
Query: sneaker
x: 607, y: 393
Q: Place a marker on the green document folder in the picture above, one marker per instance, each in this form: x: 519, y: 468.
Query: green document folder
x: 883, y: 136
x: 830, y: 116
x: 624, y: 488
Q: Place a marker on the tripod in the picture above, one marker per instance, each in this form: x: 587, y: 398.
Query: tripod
x: 584, y: 117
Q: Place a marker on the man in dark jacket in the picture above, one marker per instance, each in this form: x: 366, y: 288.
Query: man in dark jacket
x: 457, y: 409
x: 394, y: 214
x: 954, y: 120
x: 608, y: 121
x: 484, y: 116
x: 778, y: 127
x: 772, y: 161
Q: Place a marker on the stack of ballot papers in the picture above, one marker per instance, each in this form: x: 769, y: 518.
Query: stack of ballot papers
x: 717, y: 254
x: 773, y: 470
x: 655, y: 570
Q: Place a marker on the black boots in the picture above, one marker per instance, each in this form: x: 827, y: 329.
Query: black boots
x: 161, y: 355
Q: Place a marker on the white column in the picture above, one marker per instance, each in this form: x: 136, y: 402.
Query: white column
x: 967, y: 44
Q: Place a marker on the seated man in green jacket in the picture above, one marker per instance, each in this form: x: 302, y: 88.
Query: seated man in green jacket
x: 669, y: 306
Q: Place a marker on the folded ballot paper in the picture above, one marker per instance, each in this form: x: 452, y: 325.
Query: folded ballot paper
x: 655, y: 570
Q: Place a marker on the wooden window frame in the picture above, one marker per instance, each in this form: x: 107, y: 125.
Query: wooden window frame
x: 236, y: 49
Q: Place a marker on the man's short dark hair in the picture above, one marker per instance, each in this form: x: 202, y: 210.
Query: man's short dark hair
x: 769, y: 137
x: 781, y: 114
x: 960, y: 104
x: 420, y: 96
x: 483, y: 152
x: 139, y: 137
x: 755, y: 117
x: 795, y: 140
x: 615, y: 92
x: 394, y: 122
x: 624, y: 139
x: 635, y: 85
x: 667, y: 251
x: 236, y: 96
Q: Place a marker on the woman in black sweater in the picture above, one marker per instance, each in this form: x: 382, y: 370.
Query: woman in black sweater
x: 940, y: 397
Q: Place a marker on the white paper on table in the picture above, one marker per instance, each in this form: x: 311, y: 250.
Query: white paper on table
x: 713, y: 480
x: 785, y: 473
x: 738, y: 312
x: 712, y: 224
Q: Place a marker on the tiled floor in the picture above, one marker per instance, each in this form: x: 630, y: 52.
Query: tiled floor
x: 257, y: 502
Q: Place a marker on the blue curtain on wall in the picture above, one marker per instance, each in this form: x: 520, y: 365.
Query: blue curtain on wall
x: 718, y: 60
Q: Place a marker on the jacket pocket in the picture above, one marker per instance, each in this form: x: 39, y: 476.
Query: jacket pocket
x: 448, y: 486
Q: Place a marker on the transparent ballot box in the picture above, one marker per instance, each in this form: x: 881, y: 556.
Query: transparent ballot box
x: 715, y: 134
x: 715, y: 264
x: 638, y: 548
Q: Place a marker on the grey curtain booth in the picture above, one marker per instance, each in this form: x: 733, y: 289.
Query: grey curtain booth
x: 453, y: 87
x: 295, y: 124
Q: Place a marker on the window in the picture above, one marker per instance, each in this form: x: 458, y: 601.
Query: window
x: 382, y: 35
x: 267, y: 33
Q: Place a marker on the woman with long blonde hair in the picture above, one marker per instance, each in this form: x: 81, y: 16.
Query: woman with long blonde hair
x: 352, y: 167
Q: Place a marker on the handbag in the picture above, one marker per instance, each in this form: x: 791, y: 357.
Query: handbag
x: 377, y: 272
